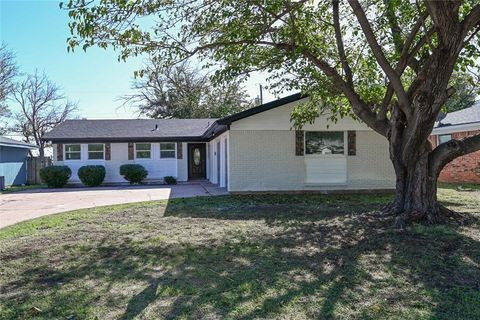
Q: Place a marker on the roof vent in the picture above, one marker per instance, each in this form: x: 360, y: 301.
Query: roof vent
x: 156, y: 128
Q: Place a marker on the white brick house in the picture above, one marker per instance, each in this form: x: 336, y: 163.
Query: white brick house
x: 254, y: 150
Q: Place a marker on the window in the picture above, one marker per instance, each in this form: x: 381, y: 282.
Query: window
x: 167, y: 150
x: 444, y: 138
x: 196, y: 156
x: 95, y: 151
x: 324, y: 142
x: 72, y: 152
x: 143, y: 150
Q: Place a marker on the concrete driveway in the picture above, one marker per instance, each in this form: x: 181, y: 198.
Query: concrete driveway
x: 29, y: 204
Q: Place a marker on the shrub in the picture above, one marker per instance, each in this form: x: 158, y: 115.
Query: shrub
x: 91, y: 176
x: 55, y: 176
x: 170, y: 180
x: 133, y: 173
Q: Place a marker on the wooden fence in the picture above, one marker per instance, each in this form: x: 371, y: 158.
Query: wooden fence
x: 33, y: 168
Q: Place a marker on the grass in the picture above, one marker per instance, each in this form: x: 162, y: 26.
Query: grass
x: 455, y: 186
x: 22, y: 188
x: 248, y: 257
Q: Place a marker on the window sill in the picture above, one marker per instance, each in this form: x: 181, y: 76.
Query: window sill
x: 313, y: 156
x: 325, y: 184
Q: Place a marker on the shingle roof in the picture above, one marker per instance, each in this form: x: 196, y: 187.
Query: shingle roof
x: 465, y: 116
x: 4, y: 141
x: 129, y: 130
x: 132, y: 130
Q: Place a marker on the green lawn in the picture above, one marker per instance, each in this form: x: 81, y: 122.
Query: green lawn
x: 285, y: 257
x: 24, y: 187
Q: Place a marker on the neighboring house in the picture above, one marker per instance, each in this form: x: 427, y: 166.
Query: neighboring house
x: 13, y: 155
x: 254, y: 150
x: 458, y: 125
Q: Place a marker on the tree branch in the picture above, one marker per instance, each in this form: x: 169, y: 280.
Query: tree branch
x: 340, y: 47
x: 445, y: 18
x: 359, y: 107
x: 394, y: 27
x: 392, y: 75
x: 471, y: 20
x: 406, y: 58
x: 450, y: 150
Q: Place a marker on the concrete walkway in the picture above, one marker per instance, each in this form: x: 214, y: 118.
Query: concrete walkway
x: 29, y: 204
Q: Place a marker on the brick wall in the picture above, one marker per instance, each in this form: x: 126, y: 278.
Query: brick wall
x: 265, y: 160
x: 465, y: 169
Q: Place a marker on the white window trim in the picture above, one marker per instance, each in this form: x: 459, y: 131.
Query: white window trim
x: 443, y: 134
x: 160, y: 151
x: 103, y: 152
x: 65, y: 151
x: 337, y: 155
x: 135, y: 149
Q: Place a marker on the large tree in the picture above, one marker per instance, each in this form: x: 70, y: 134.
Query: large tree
x: 181, y: 91
x: 387, y: 62
x: 41, y: 107
x: 8, y: 71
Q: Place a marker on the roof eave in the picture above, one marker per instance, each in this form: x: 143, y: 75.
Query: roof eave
x: 123, y: 139
x: 471, y: 126
x: 261, y: 108
x: 22, y: 146
x: 214, y: 131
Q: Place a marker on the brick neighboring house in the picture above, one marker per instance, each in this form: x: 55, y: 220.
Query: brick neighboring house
x: 458, y: 125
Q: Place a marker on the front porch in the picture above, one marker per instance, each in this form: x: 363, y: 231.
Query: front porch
x: 209, y: 187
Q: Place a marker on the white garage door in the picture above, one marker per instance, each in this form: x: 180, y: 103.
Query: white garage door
x: 325, y: 158
x: 326, y: 170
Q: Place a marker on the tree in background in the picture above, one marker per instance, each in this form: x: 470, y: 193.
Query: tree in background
x: 5, y: 114
x: 465, y: 94
x: 388, y: 63
x: 8, y: 71
x: 181, y: 91
x: 41, y: 108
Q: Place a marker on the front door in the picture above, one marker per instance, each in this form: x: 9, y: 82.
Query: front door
x: 196, y: 161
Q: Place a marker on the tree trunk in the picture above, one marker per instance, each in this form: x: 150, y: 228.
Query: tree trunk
x: 416, y: 188
x: 41, y: 154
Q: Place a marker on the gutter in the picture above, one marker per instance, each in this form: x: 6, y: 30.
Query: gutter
x: 456, y: 128
x: 18, y: 146
x: 125, y: 139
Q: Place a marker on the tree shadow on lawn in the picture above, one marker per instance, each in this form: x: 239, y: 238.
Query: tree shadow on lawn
x: 311, y: 263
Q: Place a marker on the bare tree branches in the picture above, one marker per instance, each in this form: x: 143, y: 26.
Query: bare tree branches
x: 41, y: 108
x: 183, y: 92
x: 8, y: 71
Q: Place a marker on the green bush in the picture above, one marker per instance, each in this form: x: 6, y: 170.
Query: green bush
x: 170, y: 180
x: 91, y: 176
x: 55, y: 176
x: 133, y: 173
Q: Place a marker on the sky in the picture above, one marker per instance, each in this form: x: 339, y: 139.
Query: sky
x: 36, y: 32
